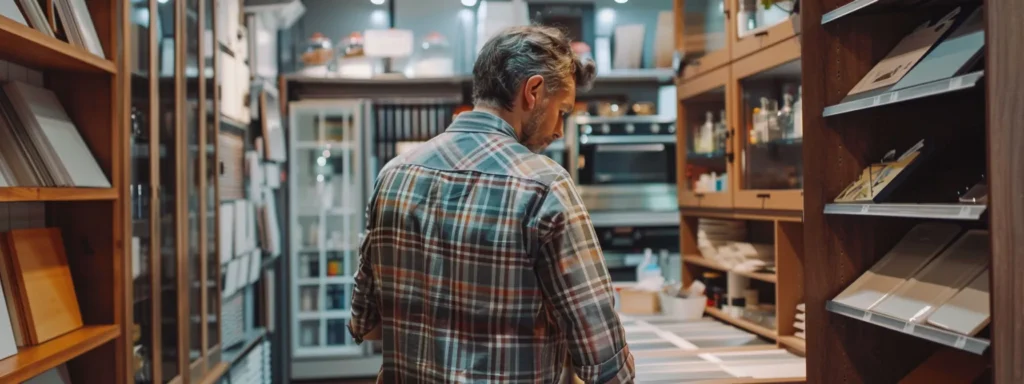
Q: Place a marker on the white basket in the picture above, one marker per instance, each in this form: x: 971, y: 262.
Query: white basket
x: 684, y: 309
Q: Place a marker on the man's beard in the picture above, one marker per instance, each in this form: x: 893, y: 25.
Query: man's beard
x: 531, y: 129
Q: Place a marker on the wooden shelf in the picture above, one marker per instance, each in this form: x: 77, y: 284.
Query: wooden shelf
x: 950, y: 339
x: 32, y: 361
x: 15, y: 194
x: 795, y: 343
x: 708, y: 263
x: 747, y: 325
x: 743, y: 214
x: 27, y: 46
x: 215, y: 373
x: 884, y: 97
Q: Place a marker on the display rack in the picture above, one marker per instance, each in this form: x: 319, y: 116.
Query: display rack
x: 728, y: 66
x: 844, y: 137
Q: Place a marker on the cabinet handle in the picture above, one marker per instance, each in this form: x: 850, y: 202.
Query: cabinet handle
x: 764, y: 195
x: 699, y: 195
x: 729, y: 156
x: 761, y: 34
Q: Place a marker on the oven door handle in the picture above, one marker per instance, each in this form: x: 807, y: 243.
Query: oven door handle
x: 634, y: 139
x: 631, y: 148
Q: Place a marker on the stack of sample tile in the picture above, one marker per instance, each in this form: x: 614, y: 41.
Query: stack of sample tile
x: 801, y: 320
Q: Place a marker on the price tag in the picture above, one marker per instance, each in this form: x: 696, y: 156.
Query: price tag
x: 965, y: 211
x: 893, y: 97
x: 908, y: 327
x: 865, y: 208
x: 961, y: 342
x: 866, y: 317
x: 956, y: 83
x: 876, y: 100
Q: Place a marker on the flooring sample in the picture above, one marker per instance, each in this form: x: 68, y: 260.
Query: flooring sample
x: 909, y: 256
x: 46, y: 291
x: 226, y: 232
x: 801, y: 316
x: 629, y: 46
x: 952, y: 56
x: 664, y: 40
x: 801, y: 307
x: 967, y: 312
x: 9, y: 9
x: 10, y: 287
x: 906, y: 54
x: 36, y: 17
x: 799, y: 325
x: 8, y: 342
x: 940, y: 280
x: 63, y: 150
x: 86, y: 29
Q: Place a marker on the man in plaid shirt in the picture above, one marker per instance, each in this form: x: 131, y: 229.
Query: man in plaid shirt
x: 480, y: 263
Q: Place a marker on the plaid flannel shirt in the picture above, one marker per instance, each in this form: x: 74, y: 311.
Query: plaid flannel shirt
x: 480, y: 264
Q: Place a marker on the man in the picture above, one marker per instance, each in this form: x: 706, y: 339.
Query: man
x: 480, y: 263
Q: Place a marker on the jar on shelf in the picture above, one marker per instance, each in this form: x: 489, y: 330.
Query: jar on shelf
x: 352, y: 60
x: 317, y: 56
x: 433, y: 58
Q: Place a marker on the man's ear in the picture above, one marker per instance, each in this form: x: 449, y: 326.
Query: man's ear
x: 533, y: 89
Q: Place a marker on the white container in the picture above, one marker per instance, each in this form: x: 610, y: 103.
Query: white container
x: 691, y: 308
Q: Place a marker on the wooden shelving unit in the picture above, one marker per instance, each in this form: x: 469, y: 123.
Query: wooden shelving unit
x: 93, y: 222
x: 725, y: 74
x: 31, y: 361
x: 25, y: 194
x: 977, y: 112
x: 33, y: 49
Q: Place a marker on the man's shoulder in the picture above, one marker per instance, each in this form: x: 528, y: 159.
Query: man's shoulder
x: 540, y: 169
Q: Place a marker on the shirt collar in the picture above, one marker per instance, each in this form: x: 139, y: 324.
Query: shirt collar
x: 482, y: 122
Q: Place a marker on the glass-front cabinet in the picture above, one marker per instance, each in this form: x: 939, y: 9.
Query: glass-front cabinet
x: 769, y: 128
x: 704, y: 174
x: 174, y: 193
x: 759, y: 24
x: 705, y: 35
x: 328, y: 165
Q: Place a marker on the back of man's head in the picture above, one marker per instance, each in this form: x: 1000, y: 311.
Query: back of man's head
x: 516, y: 54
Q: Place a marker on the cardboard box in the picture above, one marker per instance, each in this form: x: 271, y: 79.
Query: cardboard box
x: 636, y: 302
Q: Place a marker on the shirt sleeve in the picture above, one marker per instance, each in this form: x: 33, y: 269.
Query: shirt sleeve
x: 575, y: 281
x: 365, y: 314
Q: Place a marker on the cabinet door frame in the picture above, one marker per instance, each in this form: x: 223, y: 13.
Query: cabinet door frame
x: 689, y: 89
x: 710, y: 60
x: 786, y: 200
x: 762, y: 38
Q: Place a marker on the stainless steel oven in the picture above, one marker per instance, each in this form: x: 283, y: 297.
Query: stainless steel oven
x: 628, y: 165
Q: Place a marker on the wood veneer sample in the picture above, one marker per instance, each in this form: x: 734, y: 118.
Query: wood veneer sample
x: 47, y: 293
x: 11, y: 296
x: 940, y: 280
x: 967, y: 312
x: 909, y: 256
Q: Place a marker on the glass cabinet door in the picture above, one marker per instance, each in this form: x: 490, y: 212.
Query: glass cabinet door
x: 705, y: 39
x: 211, y: 199
x: 144, y: 157
x: 327, y: 165
x: 771, y: 129
x: 193, y: 152
x: 171, y: 351
x: 756, y: 26
x: 704, y: 174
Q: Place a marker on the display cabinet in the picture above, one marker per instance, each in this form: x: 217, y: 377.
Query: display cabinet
x: 705, y: 166
x: 174, y: 192
x: 756, y: 27
x: 705, y: 37
x: 327, y: 164
x: 769, y: 166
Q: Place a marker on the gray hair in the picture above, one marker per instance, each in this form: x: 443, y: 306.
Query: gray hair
x: 518, y: 53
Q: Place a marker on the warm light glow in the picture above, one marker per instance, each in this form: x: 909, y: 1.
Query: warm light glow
x: 470, y: 3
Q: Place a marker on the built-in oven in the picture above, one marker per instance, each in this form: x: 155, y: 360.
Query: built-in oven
x: 627, y: 165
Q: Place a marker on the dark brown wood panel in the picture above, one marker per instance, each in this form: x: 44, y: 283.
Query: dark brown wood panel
x: 1005, y: 84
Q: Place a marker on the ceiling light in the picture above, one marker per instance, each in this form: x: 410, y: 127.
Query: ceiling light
x: 621, y: 1
x: 377, y: 2
x: 469, y: 3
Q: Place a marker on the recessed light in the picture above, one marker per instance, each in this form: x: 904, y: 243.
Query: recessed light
x: 377, y: 2
x: 621, y: 1
x: 469, y: 3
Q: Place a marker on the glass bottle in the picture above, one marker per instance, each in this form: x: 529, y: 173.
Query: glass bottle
x: 707, y: 133
x: 317, y: 55
x: 721, y: 133
x: 786, y: 116
x: 798, y: 114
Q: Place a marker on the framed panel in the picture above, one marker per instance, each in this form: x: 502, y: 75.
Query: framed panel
x: 706, y: 156
x: 755, y: 27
